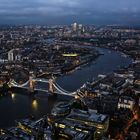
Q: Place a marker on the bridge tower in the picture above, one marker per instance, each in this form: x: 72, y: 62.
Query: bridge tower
x: 51, y: 88
x: 31, y: 84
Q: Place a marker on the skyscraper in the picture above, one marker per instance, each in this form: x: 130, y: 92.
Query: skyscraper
x: 11, y: 55
x: 74, y: 26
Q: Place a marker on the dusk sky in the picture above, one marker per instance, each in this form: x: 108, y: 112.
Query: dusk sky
x: 68, y: 11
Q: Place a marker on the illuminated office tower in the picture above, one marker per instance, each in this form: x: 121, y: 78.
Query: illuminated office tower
x: 74, y: 26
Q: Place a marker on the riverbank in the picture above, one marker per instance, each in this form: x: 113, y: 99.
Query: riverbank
x: 21, y: 106
x: 104, y: 64
x: 79, y: 66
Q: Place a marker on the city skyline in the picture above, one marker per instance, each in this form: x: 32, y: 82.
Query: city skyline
x: 99, y: 12
x: 69, y: 69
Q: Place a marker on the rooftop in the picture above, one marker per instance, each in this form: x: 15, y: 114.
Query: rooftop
x: 89, y: 116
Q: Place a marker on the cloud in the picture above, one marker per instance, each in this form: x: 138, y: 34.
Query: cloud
x: 64, y: 9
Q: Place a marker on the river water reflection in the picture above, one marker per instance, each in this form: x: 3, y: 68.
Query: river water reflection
x: 18, y: 105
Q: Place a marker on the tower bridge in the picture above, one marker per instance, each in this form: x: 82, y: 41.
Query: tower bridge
x: 53, y: 87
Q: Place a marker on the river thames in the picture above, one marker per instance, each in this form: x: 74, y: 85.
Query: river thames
x: 19, y: 106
